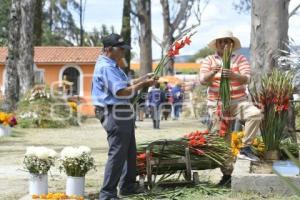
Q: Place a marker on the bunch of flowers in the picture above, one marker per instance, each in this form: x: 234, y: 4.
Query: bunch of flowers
x: 76, y: 162
x: 236, y: 142
x: 73, y: 106
x: 38, y: 160
x: 173, y: 50
x: 273, y: 98
x: 38, y: 92
x: 56, y: 196
x: 7, y: 119
x: 206, y: 151
x: 258, y: 146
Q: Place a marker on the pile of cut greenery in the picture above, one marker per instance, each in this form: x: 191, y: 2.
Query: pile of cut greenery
x: 39, y: 109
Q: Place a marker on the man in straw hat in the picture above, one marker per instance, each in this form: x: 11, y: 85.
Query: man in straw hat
x: 240, y: 107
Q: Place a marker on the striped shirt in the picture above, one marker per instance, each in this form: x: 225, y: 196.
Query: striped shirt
x: 239, y: 64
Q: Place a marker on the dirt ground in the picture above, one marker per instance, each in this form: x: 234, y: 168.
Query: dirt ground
x: 14, y: 180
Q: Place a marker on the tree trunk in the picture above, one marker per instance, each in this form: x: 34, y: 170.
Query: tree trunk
x: 269, y: 33
x: 145, y: 36
x: 81, y: 23
x: 38, y: 22
x: 26, y: 49
x: 168, y: 38
x: 11, y: 76
x: 126, y: 29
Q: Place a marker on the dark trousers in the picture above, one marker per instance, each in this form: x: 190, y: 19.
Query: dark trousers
x: 155, y: 114
x: 121, y: 164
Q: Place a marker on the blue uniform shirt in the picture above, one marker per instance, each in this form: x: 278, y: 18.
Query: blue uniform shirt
x: 108, y: 79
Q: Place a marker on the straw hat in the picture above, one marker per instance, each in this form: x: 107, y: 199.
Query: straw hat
x: 225, y: 34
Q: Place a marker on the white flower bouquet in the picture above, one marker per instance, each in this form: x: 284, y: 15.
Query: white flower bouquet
x: 38, y: 160
x: 76, y: 162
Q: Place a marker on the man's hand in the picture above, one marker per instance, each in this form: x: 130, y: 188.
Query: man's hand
x: 227, y: 73
x: 147, y: 76
x: 149, y: 82
x: 216, y: 68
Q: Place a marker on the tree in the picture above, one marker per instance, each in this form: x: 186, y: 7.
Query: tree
x: 26, y: 46
x: 59, y: 25
x: 38, y: 23
x: 81, y: 19
x: 269, y: 34
x: 142, y: 11
x: 126, y: 28
x: 11, y: 76
x: 267, y: 17
x: 4, y: 21
x: 175, y: 27
x: 94, y: 38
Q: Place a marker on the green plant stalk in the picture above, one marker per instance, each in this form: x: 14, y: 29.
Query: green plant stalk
x: 225, y: 82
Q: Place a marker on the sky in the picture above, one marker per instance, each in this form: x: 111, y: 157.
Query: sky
x: 218, y: 15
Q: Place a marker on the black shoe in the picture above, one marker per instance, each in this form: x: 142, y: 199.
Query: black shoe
x: 225, y: 181
x: 246, y: 153
x: 136, y: 190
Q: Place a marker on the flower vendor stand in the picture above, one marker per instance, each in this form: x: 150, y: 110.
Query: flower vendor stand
x: 5, y: 130
x: 75, y: 185
x: 38, y: 184
x: 162, y: 159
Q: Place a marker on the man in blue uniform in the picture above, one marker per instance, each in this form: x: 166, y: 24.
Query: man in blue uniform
x: 111, y: 93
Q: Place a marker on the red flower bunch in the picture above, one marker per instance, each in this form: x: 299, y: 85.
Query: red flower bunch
x: 174, y: 50
x: 12, y: 121
x: 141, y: 160
x: 224, y: 121
x: 197, y: 138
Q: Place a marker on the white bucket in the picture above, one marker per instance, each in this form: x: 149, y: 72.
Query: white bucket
x: 75, y: 186
x: 38, y: 184
x: 5, y: 130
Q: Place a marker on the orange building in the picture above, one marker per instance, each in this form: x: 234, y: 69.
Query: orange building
x: 52, y: 65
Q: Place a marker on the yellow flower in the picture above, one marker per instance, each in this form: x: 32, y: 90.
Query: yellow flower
x: 73, y: 105
x: 236, y: 142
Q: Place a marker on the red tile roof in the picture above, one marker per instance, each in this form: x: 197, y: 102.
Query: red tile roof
x: 60, y: 54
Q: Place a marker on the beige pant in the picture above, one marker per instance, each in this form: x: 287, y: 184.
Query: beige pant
x: 245, y: 111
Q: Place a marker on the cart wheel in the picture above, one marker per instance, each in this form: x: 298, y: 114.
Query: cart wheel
x: 186, y: 175
x: 196, y: 178
x: 142, y: 180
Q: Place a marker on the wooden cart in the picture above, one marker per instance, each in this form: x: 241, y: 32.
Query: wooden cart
x: 181, y: 164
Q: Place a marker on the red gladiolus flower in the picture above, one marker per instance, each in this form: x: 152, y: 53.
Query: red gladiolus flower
x: 179, y: 45
x: 176, y: 52
x: 187, y: 40
x: 141, y: 156
x: 224, y: 126
x: 206, y: 132
x: 171, y: 53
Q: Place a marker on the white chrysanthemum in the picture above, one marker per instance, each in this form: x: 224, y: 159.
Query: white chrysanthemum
x: 42, y: 153
x: 84, y: 149
x: 52, y: 153
x: 30, y: 151
x: 67, y: 152
x: 70, y: 152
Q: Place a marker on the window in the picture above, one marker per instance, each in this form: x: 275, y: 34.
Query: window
x: 39, y: 75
